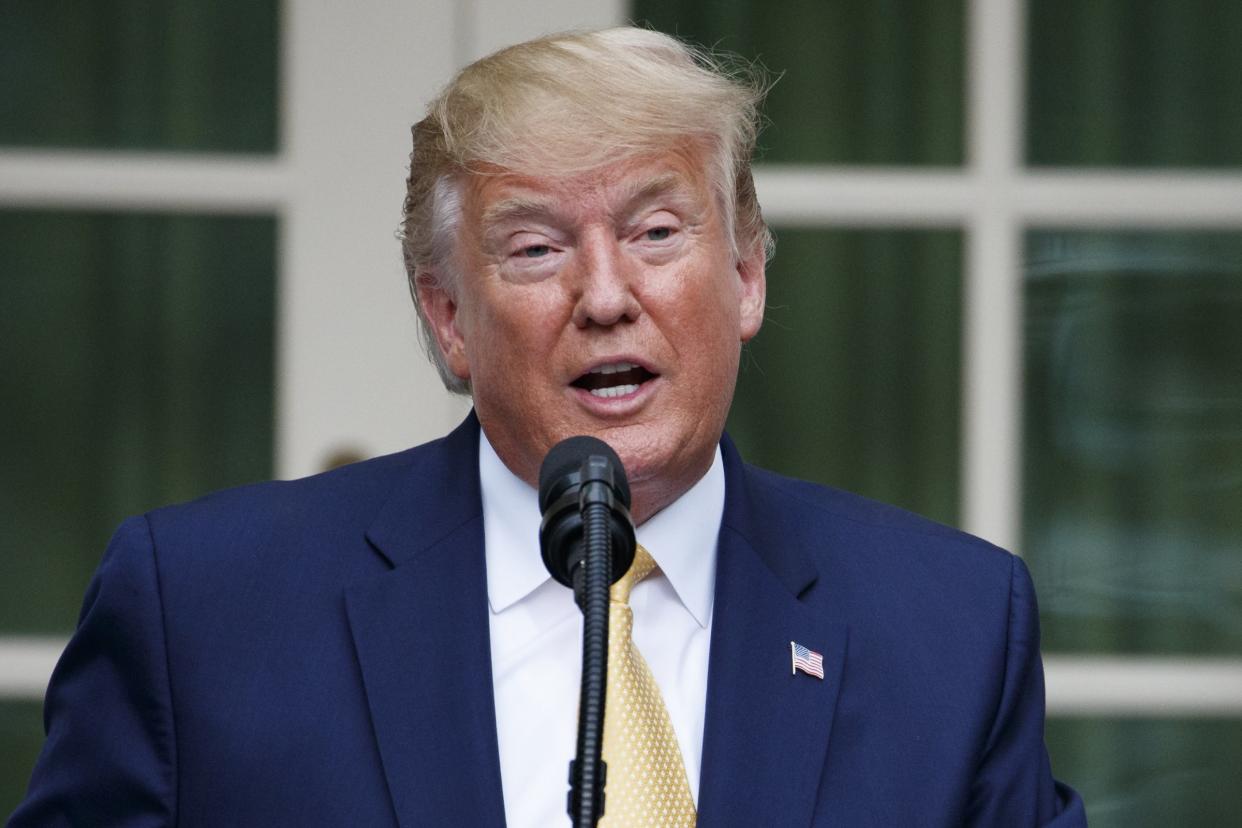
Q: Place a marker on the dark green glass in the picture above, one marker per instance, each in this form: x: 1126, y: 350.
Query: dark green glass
x: 131, y: 74
x: 1151, y: 773
x: 136, y: 368
x: 1133, y: 439
x: 860, y: 81
x: 21, y: 736
x: 855, y: 379
x: 1135, y: 83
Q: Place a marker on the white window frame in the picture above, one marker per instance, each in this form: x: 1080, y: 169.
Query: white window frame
x: 350, y: 377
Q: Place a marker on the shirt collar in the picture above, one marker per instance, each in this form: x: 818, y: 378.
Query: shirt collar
x: 681, y: 537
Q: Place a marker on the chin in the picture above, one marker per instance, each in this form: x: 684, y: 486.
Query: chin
x: 645, y: 459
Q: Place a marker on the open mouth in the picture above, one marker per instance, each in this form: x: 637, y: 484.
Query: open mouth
x: 616, y: 379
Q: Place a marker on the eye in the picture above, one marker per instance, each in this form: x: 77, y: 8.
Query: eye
x: 659, y: 233
x: 536, y: 251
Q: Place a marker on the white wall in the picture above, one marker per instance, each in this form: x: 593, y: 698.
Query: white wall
x: 355, y: 77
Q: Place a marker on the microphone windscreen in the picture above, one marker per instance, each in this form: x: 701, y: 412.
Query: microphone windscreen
x: 566, y: 458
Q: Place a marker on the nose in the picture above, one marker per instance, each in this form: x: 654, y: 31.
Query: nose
x: 603, y: 287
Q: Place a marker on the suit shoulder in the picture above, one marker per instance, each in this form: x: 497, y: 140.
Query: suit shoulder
x: 309, y: 518
x: 882, y: 569
x: 817, y: 507
x: 304, y: 534
x: 318, y: 497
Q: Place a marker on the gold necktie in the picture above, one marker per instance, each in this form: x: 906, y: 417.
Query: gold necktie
x: 646, y: 782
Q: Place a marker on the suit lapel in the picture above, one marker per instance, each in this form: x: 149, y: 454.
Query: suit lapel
x: 421, y: 634
x: 766, y: 731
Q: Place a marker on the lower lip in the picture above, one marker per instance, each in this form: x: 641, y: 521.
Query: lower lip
x: 616, y: 405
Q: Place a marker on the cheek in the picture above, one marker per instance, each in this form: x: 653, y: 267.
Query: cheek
x: 710, y: 352
x: 713, y: 311
x: 510, y: 335
x: 719, y: 330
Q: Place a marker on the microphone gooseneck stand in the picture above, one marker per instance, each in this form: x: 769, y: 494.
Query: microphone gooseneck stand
x: 587, y: 773
x: 587, y: 543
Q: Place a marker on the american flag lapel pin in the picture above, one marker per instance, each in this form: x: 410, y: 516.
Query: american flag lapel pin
x: 806, y: 660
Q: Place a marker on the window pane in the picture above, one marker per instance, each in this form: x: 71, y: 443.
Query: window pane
x: 1151, y: 773
x: 861, y: 81
x: 855, y: 378
x: 136, y: 369
x: 21, y: 737
x: 1133, y: 455
x: 176, y: 75
x: 1125, y: 83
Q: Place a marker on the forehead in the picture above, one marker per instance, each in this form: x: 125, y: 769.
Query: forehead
x: 676, y: 176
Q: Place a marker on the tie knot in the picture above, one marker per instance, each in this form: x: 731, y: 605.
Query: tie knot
x: 641, y: 568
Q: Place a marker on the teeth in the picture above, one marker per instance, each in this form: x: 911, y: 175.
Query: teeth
x: 613, y: 368
x: 614, y: 391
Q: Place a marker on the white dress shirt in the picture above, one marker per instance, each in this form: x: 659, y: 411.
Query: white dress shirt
x: 536, y: 634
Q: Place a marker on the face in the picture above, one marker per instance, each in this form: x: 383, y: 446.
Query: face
x: 607, y: 303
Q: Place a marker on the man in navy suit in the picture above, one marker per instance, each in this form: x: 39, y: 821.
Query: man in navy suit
x: 378, y: 645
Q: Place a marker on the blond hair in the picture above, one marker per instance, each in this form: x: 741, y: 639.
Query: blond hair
x: 566, y: 104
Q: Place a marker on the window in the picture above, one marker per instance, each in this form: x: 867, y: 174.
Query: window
x: 1075, y: 165
x: 139, y: 293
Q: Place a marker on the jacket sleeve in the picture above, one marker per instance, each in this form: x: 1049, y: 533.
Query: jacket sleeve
x: 110, y: 754
x: 1014, y: 784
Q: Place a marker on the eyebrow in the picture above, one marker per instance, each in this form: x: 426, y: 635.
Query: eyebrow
x: 660, y: 185
x: 516, y: 208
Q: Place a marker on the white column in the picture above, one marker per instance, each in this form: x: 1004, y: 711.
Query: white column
x: 350, y: 374
x: 355, y: 77
x: 494, y: 24
x: 992, y: 345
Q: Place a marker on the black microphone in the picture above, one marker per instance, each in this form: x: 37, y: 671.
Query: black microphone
x: 577, y: 472
x: 587, y: 543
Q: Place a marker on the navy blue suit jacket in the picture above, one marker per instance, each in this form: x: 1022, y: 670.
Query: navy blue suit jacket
x: 316, y: 653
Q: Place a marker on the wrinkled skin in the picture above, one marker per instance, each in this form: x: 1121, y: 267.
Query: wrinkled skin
x: 629, y: 263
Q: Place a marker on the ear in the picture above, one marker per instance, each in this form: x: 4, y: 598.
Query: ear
x: 752, y: 289
x: 440, y: 308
